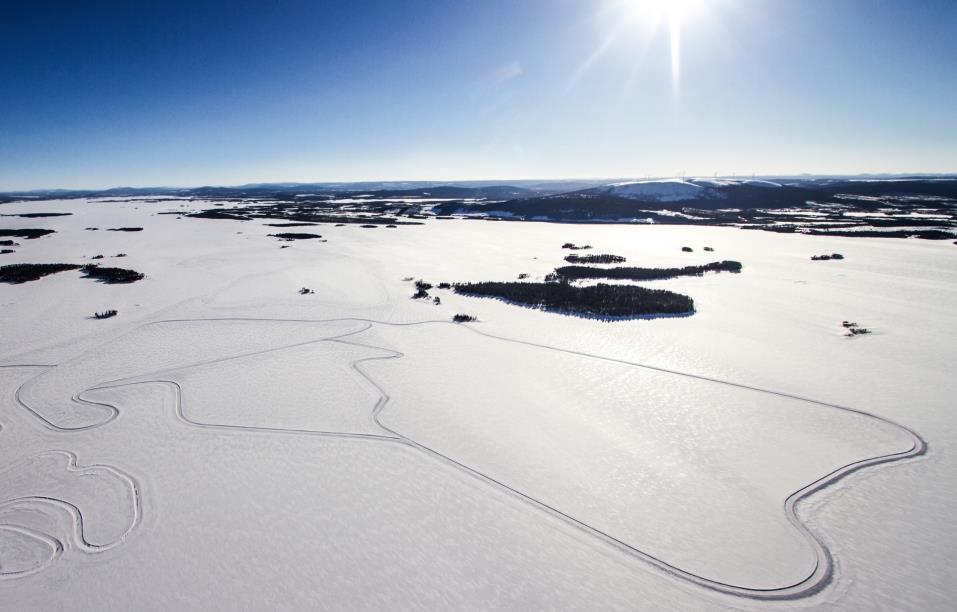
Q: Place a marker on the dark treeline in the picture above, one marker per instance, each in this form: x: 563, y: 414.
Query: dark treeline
x: 125, y: 229
x: 111, y: 276
x: 29, y: 234
x: 910, y: 221
x: 106, y: 314
x: 213, y: 213
x: 641, y: 274
x: 38, y: 215
x: 295, y: 236
x: 599, y: 300
x: 924, y: 234
x: 317, y: 211
x: 595, y: 259
x: 24, y: 273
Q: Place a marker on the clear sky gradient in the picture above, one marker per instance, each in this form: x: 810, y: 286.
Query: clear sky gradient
x: 99, y: 94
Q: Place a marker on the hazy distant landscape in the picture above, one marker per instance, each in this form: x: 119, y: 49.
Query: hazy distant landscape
x: 893, y: 207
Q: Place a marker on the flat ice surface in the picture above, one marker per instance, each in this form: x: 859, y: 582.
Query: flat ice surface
x: 689, y: 471
x: 310, y: 387
x: 228, y: 443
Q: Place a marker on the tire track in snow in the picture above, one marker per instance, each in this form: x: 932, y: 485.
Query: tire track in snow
x: 78, y: 531
x: 181, y: 416
x: 113, y: 413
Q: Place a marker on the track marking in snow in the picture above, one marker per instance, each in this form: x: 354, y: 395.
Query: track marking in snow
x: 78, y: 538
x: 821, y: 576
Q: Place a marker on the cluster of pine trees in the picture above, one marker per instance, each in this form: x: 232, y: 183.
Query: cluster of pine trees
x: 421, y: 290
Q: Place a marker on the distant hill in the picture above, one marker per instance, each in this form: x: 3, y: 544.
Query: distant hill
x: 500, y: 190
x: 653, y: 199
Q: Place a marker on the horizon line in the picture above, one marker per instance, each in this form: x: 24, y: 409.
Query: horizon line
x: 496, y: 182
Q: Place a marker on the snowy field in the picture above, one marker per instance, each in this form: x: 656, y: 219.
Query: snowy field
x: 225, y: 442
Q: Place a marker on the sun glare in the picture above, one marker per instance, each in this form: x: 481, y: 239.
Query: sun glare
x: 652, y: 15
x: 643, y: 21
x: 664, y: 8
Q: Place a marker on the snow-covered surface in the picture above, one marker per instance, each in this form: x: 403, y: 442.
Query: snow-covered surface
x: 673, y: 190
x: 674, y: 213
x: 731, y: 182
x: 678, y: 190
x: 760, y: 183
x: 228, y: 443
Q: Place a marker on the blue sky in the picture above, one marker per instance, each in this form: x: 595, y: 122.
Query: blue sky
x: 98, y: 94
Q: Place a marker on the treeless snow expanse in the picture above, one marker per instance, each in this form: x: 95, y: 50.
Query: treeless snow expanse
x: 226, y: 442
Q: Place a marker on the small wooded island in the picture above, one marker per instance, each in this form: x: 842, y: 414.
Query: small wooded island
x: 601, y: 300
x: 295, y: 236
x: 111, y: 276
x: 641, y: 274
x: 25, y: 273
x: 603, y: 258
x: 16, y: 274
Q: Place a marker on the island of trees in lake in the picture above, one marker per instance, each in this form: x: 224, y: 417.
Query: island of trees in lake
x: 641, y: 274
x: 601, y: 300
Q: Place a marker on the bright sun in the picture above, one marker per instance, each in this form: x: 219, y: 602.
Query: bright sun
x: 643, y: 21
x: 650, y: 14
x: 656, y: 9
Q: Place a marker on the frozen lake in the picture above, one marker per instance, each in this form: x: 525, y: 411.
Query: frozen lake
x: 353, y: 447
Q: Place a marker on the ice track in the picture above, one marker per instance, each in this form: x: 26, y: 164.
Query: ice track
x: 818, y: 579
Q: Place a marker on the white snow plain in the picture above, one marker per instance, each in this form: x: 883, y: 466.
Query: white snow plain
x: 225, y: 442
